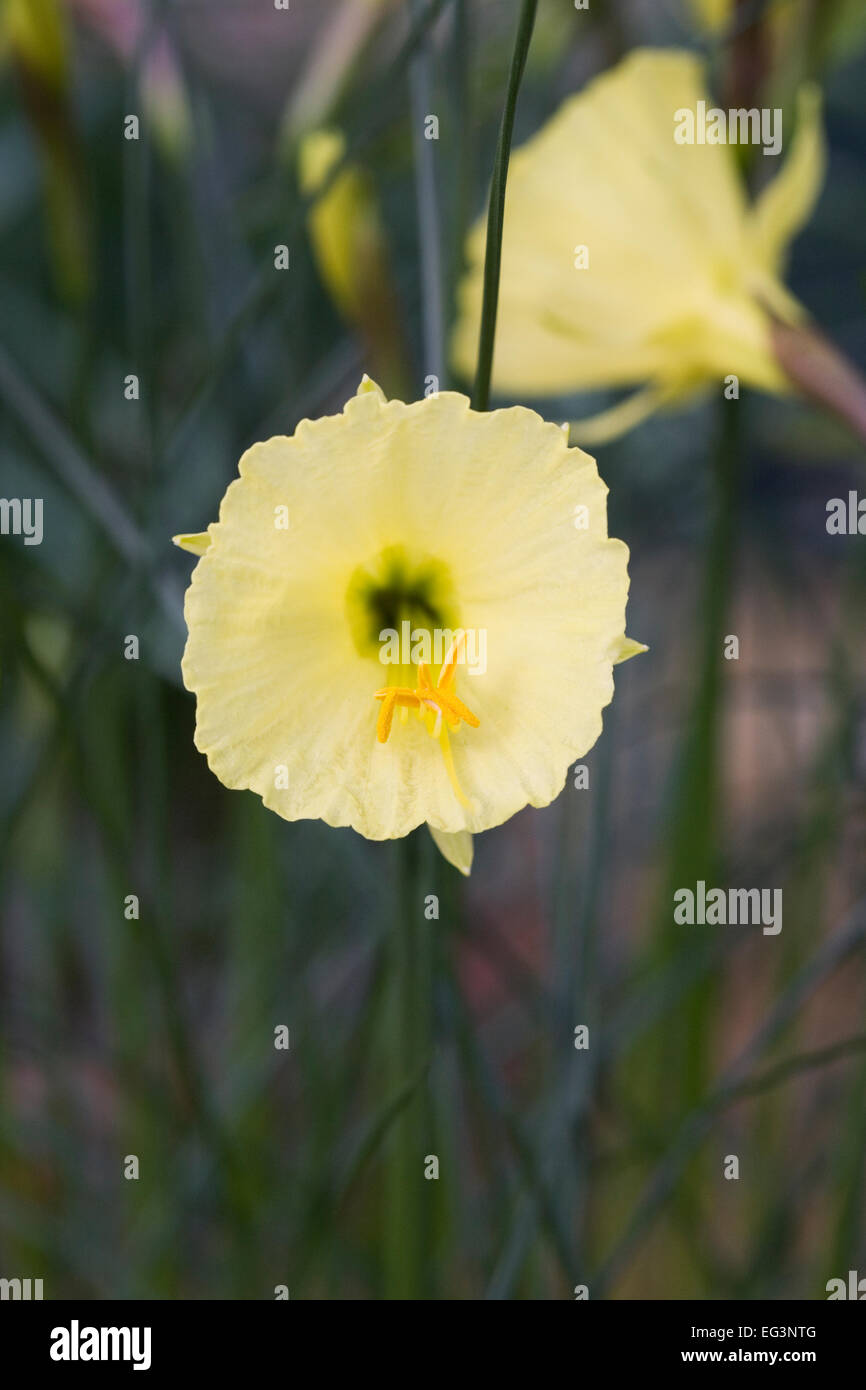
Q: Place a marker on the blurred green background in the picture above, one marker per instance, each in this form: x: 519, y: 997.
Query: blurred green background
x: 155, y: 1036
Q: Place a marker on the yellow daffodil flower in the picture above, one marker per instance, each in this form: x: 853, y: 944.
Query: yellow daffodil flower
x: 631, y: 259
x: 350, y: 247
x: 349, y: 577
x: 345, y: 228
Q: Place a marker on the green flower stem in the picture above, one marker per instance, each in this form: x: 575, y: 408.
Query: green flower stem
x: 427, y: 201
x: 693, y: 828
x: 463, y: 165
x: 409, y: 1032
x: 496, y: 210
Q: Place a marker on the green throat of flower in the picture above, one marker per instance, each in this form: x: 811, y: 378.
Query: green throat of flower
x: 393, y: 588
x: 398, y: 592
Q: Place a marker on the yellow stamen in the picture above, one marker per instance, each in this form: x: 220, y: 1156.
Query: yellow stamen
x: 437, y: 705
x: 386, y: 715
x: 449, y: 665
x: 455, y: 710
x: 392, y: 697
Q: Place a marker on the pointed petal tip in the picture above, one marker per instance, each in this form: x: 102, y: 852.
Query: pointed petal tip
x: 627, y: 649
x: 455, y: 846
x: 367, y: 384
x: 195, y: 542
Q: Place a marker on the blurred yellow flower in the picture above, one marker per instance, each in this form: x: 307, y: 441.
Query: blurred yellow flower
x: 428, y: 523
x: 35, y: 39
x: 714, y: 15
x: 345, y: 228
x: 629, y: 258
x: 350, y: 247
x: 36, y: 31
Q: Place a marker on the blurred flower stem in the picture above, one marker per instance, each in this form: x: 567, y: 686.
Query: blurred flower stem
x: 693, y: 828
x: 409, y: 1022
x: 408, y: 1225
x: 409, y: 1041
x: 336, y: 50
x: 496, y: 210
x: 428, y: 209
x: 462, y: 168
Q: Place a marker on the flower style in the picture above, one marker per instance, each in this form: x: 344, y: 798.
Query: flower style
x: 428, y: 519
x: 682, y: 276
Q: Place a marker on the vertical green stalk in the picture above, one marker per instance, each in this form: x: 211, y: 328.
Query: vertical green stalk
x: 427, y: 201
x: 496, y: 209
x: 695, y: 822
x: 674, y: 1066
x: 138, y: 262
x: 409, y: 1035
x: 463, y: 164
